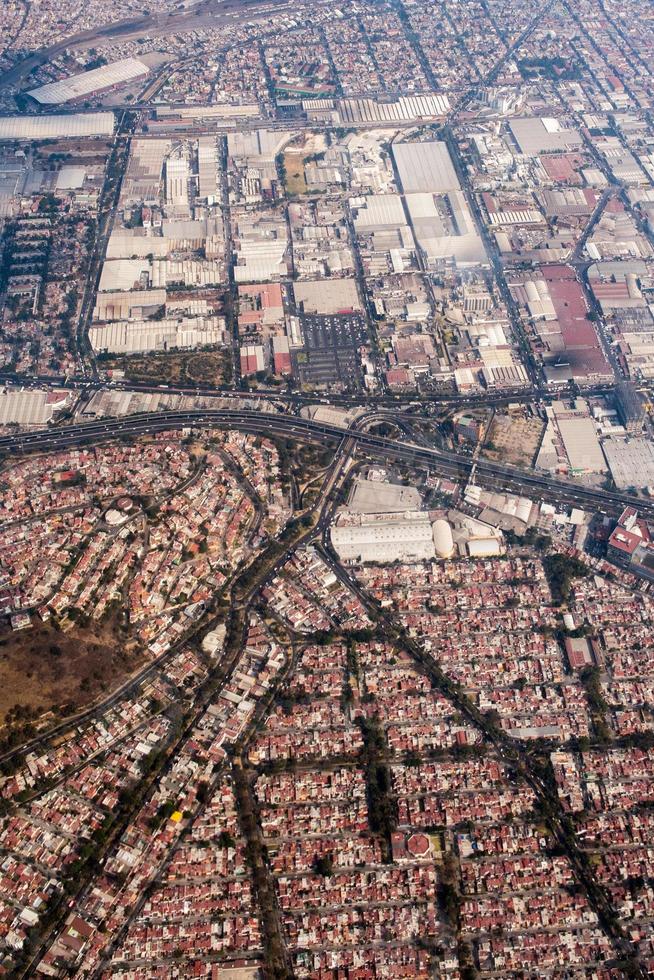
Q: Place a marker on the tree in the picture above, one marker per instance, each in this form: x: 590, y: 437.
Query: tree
x: 324, y: 865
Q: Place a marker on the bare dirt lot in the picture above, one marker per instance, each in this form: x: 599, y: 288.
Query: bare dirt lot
x: 45, y: 669
x: 514, y: 439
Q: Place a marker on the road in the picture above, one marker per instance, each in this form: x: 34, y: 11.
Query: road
x: 446, y: 462
x: 505, y: 396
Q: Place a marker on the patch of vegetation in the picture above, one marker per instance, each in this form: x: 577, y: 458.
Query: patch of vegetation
x: 561, y: 570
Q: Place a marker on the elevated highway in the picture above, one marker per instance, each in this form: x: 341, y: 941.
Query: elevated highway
x: 379, y: 447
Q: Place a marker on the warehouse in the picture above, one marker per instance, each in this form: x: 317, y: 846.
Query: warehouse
x: 425, y: 168
x: 31, y: 408
x: 142, y: 181
x: 124, y: 274
x: 393, y: 537
x: 581, y: 445
x: 534, y: 136
x: 379, y: 211
x: 136, y: 304
x: 57, y: 127
x: 259, y: 260
x: 445, y: 230
x: 405, y: 109
x: 631, y: 462
x: 90, y: 82
x: 141, y: 336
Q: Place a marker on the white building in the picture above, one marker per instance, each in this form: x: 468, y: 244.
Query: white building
x: 384, y: 538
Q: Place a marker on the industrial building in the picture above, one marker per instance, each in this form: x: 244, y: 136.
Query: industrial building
x: 442, y: 223
x: 534, y: 135
x: 33, y: 407
x: 135, y: 304
x: 581, y: 444
x: 443, y: 540
x: 631, y: 462
x: 384, y: 538
x: 142, y: 181
x: 411, y: 108
x: 90, y: 82
x: 445, y: 230
x: 140, y: 336
x: 57, y: 126
x: 425, y: 168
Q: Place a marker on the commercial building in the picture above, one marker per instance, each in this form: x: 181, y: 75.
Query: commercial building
x: 378, y: 496
x: 252, y: 359
x: 630, y: 545
x: 631, y: 410
x: 327, y: 297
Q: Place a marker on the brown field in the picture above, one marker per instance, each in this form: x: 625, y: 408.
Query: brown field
x: 514, y: 439
x: 45, y: 669
x: 294, y: 166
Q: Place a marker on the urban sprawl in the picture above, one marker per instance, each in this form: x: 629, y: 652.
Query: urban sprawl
x: 326, y: 489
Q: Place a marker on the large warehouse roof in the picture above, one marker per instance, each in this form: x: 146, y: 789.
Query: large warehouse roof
x: 56, y: 127
x: 34, y: 407
x: 380, y: 211
x: 403, y: 538
x: 631, y: 462
x: 446, y: 234
x: 535, y: 135
x: 425, y: 167
x: 581, y: 444
x: 145, y: 335
x: 327, y: 296
x: 77, y: 86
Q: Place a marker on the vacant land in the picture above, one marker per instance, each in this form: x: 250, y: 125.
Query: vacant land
x: 45, y: 669
x: 294, y: 170
x: 514, y: 439
x: 209, y: 367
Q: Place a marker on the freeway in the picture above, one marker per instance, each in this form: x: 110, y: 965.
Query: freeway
x: 293, y: 427
x: 504, y: 396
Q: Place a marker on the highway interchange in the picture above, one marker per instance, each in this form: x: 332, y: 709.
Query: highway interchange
x: 275, y: 424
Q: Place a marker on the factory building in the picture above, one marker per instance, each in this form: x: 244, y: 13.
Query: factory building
x: 392, y: 537
x: 71, y: 126
x: 90, y: 82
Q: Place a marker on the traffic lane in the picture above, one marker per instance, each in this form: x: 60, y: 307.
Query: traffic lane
x: 270, y: 424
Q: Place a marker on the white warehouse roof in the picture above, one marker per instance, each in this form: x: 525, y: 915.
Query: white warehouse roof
x: 57, y: 127
x: 77, y: 86
x: 425, y: 167
x: 401, y: 537
x: 145, y: 335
